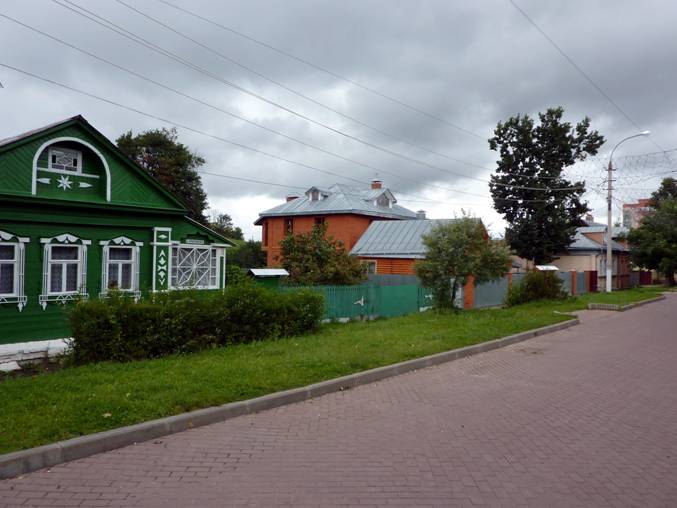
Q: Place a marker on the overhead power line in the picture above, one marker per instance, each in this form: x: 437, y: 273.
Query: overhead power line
x: 190, y: 97
x: 304, y: 189
x: 324, y: 69
x: 225, y: 140
x: 158, y: 49
x: 579, y: 70
x: 296, y: 92
x: 157, y: 83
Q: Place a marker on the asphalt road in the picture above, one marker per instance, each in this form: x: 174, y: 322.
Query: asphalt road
x: 581, y: 417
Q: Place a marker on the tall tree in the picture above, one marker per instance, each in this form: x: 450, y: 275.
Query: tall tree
x: 247, y: 255
x: 159, y: 152
x: 223, y: 224
x: 653, y: 244
x: 542, y: 219
x: 313, y: 258
x: 667, y: 190
x: 456, y: 250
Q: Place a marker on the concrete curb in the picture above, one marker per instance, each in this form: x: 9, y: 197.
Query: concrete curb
x: 623, y: 308
x: 26, y: 461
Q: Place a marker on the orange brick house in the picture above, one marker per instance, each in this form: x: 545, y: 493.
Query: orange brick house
x: 347, y: 212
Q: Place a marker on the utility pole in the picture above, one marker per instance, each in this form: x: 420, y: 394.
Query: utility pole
x: 609, y: 234
x: 609, y: 225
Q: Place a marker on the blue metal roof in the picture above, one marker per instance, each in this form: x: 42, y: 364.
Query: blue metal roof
x: 395, y: 239
x: 341, y: 199
x: 584, y: 243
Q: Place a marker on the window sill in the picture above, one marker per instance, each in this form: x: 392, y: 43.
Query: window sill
x: 126, y: 292
x: 61, y: 298
x: 10, y: 299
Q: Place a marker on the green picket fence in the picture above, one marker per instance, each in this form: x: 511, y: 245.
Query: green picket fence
x: 390, y: 296
x: 371, y: 300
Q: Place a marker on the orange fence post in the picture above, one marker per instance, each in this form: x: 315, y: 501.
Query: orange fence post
x: 469, y: 293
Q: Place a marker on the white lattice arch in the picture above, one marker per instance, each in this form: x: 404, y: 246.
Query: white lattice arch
x: 34, y: 182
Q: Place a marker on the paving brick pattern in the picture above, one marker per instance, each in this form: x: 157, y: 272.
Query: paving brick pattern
x: 582, y: 417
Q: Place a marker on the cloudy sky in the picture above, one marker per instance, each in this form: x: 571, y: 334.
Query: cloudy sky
x: 456, y: 69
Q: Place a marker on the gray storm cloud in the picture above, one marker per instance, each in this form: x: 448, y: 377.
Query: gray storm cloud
x: 470, y: 63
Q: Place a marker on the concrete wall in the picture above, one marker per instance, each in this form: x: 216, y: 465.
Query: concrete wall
x: 581, y: 263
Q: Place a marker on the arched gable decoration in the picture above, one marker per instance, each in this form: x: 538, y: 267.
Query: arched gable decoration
x: 53, y: 141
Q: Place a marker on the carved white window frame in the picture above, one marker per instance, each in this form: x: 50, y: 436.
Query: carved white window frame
x: 56, y: 141
x: 214, y: 257
x: 121, y: 241
x: 64, y: 240
x: 17, y: 296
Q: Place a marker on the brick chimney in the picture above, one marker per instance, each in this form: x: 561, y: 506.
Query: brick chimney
x: 420, y: 214
x: 376, y: 183
x: 291, y: 197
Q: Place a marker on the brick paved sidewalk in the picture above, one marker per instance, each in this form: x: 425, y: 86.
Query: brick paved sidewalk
x: 581, y: 417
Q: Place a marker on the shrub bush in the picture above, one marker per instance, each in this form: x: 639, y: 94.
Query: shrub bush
x: 536, y: 285
x: 119, y: 329
x: 236, y: 275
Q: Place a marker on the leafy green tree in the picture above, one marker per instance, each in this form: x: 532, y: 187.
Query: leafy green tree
x: 667, y: 190
x: 247, y: 255
x: 455, y: 250
x: 223, y: 224
x: 171, y: 163
x: 653, y: 244
x: 542, y: 219
x: 313, y: 258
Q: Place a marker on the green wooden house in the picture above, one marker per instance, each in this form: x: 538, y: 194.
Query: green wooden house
x: 78, y: 218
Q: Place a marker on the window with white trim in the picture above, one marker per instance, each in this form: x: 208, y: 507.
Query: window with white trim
x: 64, y: 274
x: 371, y: 267
x: 8, y: 269
x: 64, y: 159
x: 12, y: 269
x: 65, y: 269
x: 120, y: 270
x: 194, y: 267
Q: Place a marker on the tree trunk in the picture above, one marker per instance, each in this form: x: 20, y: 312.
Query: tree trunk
x: 454, y: 285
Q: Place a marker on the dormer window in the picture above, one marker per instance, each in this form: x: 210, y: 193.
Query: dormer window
x: 383, y: 200
x: 63, y: 159
x: 317, y: 194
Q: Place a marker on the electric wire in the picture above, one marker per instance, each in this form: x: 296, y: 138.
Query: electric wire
x: 154, y: 47
x: 296, y: 92
x: 220, y: 138
x: 580, y: 70
x: 322, y: 69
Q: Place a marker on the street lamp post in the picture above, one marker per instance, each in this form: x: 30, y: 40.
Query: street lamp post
x: 609, y: 231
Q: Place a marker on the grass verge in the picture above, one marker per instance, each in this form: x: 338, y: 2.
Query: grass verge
x: 71, y: 402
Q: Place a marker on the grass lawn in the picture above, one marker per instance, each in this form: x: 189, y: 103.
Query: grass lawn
x: 623, y: 297
x: 71, y: 402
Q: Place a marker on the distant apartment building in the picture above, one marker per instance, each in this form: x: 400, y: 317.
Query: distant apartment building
x: 633, y: 213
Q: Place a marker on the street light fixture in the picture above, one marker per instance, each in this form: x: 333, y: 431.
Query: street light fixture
x: 609, y: 231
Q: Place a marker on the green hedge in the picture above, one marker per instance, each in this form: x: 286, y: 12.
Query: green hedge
x: 536, y: 285
x: 116, y: 328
